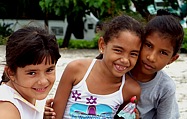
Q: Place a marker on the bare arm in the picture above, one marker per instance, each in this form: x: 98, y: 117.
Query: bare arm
x: 131, y: 88
x: 69, y: 78
x: 8, y: 111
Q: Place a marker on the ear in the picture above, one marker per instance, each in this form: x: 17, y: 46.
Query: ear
x: 9, y: 73
x: 174, y: 58
x: 101, y: 45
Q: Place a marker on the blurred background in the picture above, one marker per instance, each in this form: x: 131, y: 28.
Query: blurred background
x: 76, y: 23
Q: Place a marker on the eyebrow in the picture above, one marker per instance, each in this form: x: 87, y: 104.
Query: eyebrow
x: 116, y: 46
x: 165, y: 50
x: 146, y: 41
x: 29, y: 70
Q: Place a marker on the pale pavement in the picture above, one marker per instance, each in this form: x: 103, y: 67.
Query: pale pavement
x: 177, y: 70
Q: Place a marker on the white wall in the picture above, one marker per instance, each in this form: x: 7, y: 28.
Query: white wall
x: 58, y: 26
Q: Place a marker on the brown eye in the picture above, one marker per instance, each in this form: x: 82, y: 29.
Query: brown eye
x: 50, y: 70
x: 148, y: 45
x: 117, y: 50
x: 31, y: 73
x: 163, y: 52
x: 134, y: 54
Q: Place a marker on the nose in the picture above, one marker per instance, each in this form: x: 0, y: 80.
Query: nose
x: 125, y: 60
x: 42, y: 80
x: 151, y: 57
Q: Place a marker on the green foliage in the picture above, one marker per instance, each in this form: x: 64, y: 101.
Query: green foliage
x: 5, y: 31
x: 62, y: 8
x: 82, y: 44
x: 93, y: 44
x: 60, y: 41
x: 136, y: 16
x: 100, y: 8
x: 3, y: 40
x: 184, y: 44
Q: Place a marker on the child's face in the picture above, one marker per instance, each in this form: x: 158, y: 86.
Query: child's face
x: 121, y: 53
x: 36, y: 79
x: 156, y: 53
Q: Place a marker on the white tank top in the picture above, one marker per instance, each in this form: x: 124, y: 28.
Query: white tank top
x: 83, y: 104
x: 26, y: 109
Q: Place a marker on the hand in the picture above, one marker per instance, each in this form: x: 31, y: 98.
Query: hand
x: 49, y: 112
x: 137, y: 114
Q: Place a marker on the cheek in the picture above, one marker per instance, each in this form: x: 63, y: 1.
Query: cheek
x: 52, y: 78
x: 133, y: 62
x: 161, y: 64
x: 25, y: 81
x: 144, y: 49
x: 143, y: 53
x: 22, y: 78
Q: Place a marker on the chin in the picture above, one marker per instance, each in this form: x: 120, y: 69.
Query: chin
x: 147, y: 72
x: 41, y: 97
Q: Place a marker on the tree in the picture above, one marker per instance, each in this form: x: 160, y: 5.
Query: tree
x: 75, y: 10
x: 141, y: 7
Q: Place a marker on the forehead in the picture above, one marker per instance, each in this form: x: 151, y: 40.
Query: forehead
x: 159, y: 41
x: 43, y: 60
x: 46, y: 63
x: 126, y: 39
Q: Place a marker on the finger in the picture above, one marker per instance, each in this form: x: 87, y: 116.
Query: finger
x: 49, y: 102
x: 49, y: 113
x: 137, y: 111
x: 49, y: 117
x: 137, y: 114
x: 49, y: 109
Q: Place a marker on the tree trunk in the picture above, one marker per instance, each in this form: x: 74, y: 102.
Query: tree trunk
x: 46, y: 19
x: 67, y: 37
x: 75, y: 26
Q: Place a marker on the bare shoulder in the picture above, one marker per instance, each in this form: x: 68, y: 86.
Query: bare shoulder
x: 131, y: 88
x: 132, y: 82
x: 76, y: 69
x: 79, y: 62
x: 8, y: 111
x: 78, y: 65
x: 133, y: 85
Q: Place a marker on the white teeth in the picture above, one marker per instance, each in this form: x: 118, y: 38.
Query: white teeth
x: 40, y: 89
x: 121, y: 67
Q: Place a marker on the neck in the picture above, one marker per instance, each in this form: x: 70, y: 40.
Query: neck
x: 138, y: 75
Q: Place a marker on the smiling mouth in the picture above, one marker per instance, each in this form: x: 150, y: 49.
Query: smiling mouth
x: 120, y: 68
x: 40, y: 89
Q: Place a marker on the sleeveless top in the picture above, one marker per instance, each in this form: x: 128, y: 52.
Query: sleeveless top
x: 26, y: 109
x: 83, y: 104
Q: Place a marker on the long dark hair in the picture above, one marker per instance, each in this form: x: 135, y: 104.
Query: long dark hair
x: 30, y: 45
